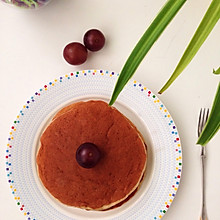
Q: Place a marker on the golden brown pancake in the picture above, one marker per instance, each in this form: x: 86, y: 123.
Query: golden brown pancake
x: 117, y: 174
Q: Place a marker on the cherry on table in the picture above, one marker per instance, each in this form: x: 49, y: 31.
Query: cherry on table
x: 75, y: 53
x: 94, y: 40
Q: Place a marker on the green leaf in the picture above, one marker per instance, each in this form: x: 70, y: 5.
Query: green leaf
x: 207, y: 24
x: 216, y: 71
x: 153, y: 32
x: 213, y: 123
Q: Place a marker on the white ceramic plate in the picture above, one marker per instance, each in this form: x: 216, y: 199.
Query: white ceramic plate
x: 139, y: 104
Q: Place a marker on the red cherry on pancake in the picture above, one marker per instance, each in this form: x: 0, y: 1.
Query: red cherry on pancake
x: 88, y: 155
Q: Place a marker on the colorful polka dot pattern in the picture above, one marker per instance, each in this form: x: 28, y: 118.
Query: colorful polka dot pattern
x: 149, y: 94
x: 176, y: 139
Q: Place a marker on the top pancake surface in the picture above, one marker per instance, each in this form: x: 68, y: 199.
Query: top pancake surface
x: 119, y: 170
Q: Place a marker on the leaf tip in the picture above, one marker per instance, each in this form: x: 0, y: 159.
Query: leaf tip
x: 112, y: 100
x: 216, y: 71
x: 162, y: 90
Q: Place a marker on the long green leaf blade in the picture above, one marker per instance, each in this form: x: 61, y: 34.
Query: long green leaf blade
x: 156, y: 28
x: 213, y: 123
x: 207, y: 24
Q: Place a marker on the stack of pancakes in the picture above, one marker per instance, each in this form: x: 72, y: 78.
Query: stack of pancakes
x: 119, y: 171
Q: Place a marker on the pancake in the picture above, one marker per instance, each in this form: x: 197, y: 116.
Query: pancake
x: 115, y: 176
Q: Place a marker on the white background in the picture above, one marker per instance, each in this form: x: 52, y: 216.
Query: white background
x: 31, y: 44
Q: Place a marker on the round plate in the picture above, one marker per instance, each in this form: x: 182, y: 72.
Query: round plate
x: 139, y: 104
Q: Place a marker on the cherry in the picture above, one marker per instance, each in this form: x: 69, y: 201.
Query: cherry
x: 75, y: 53
x: 94, y: 40
x: 88, y: 155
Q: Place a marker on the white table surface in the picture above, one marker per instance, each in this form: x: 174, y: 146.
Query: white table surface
x: 31, y: 44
